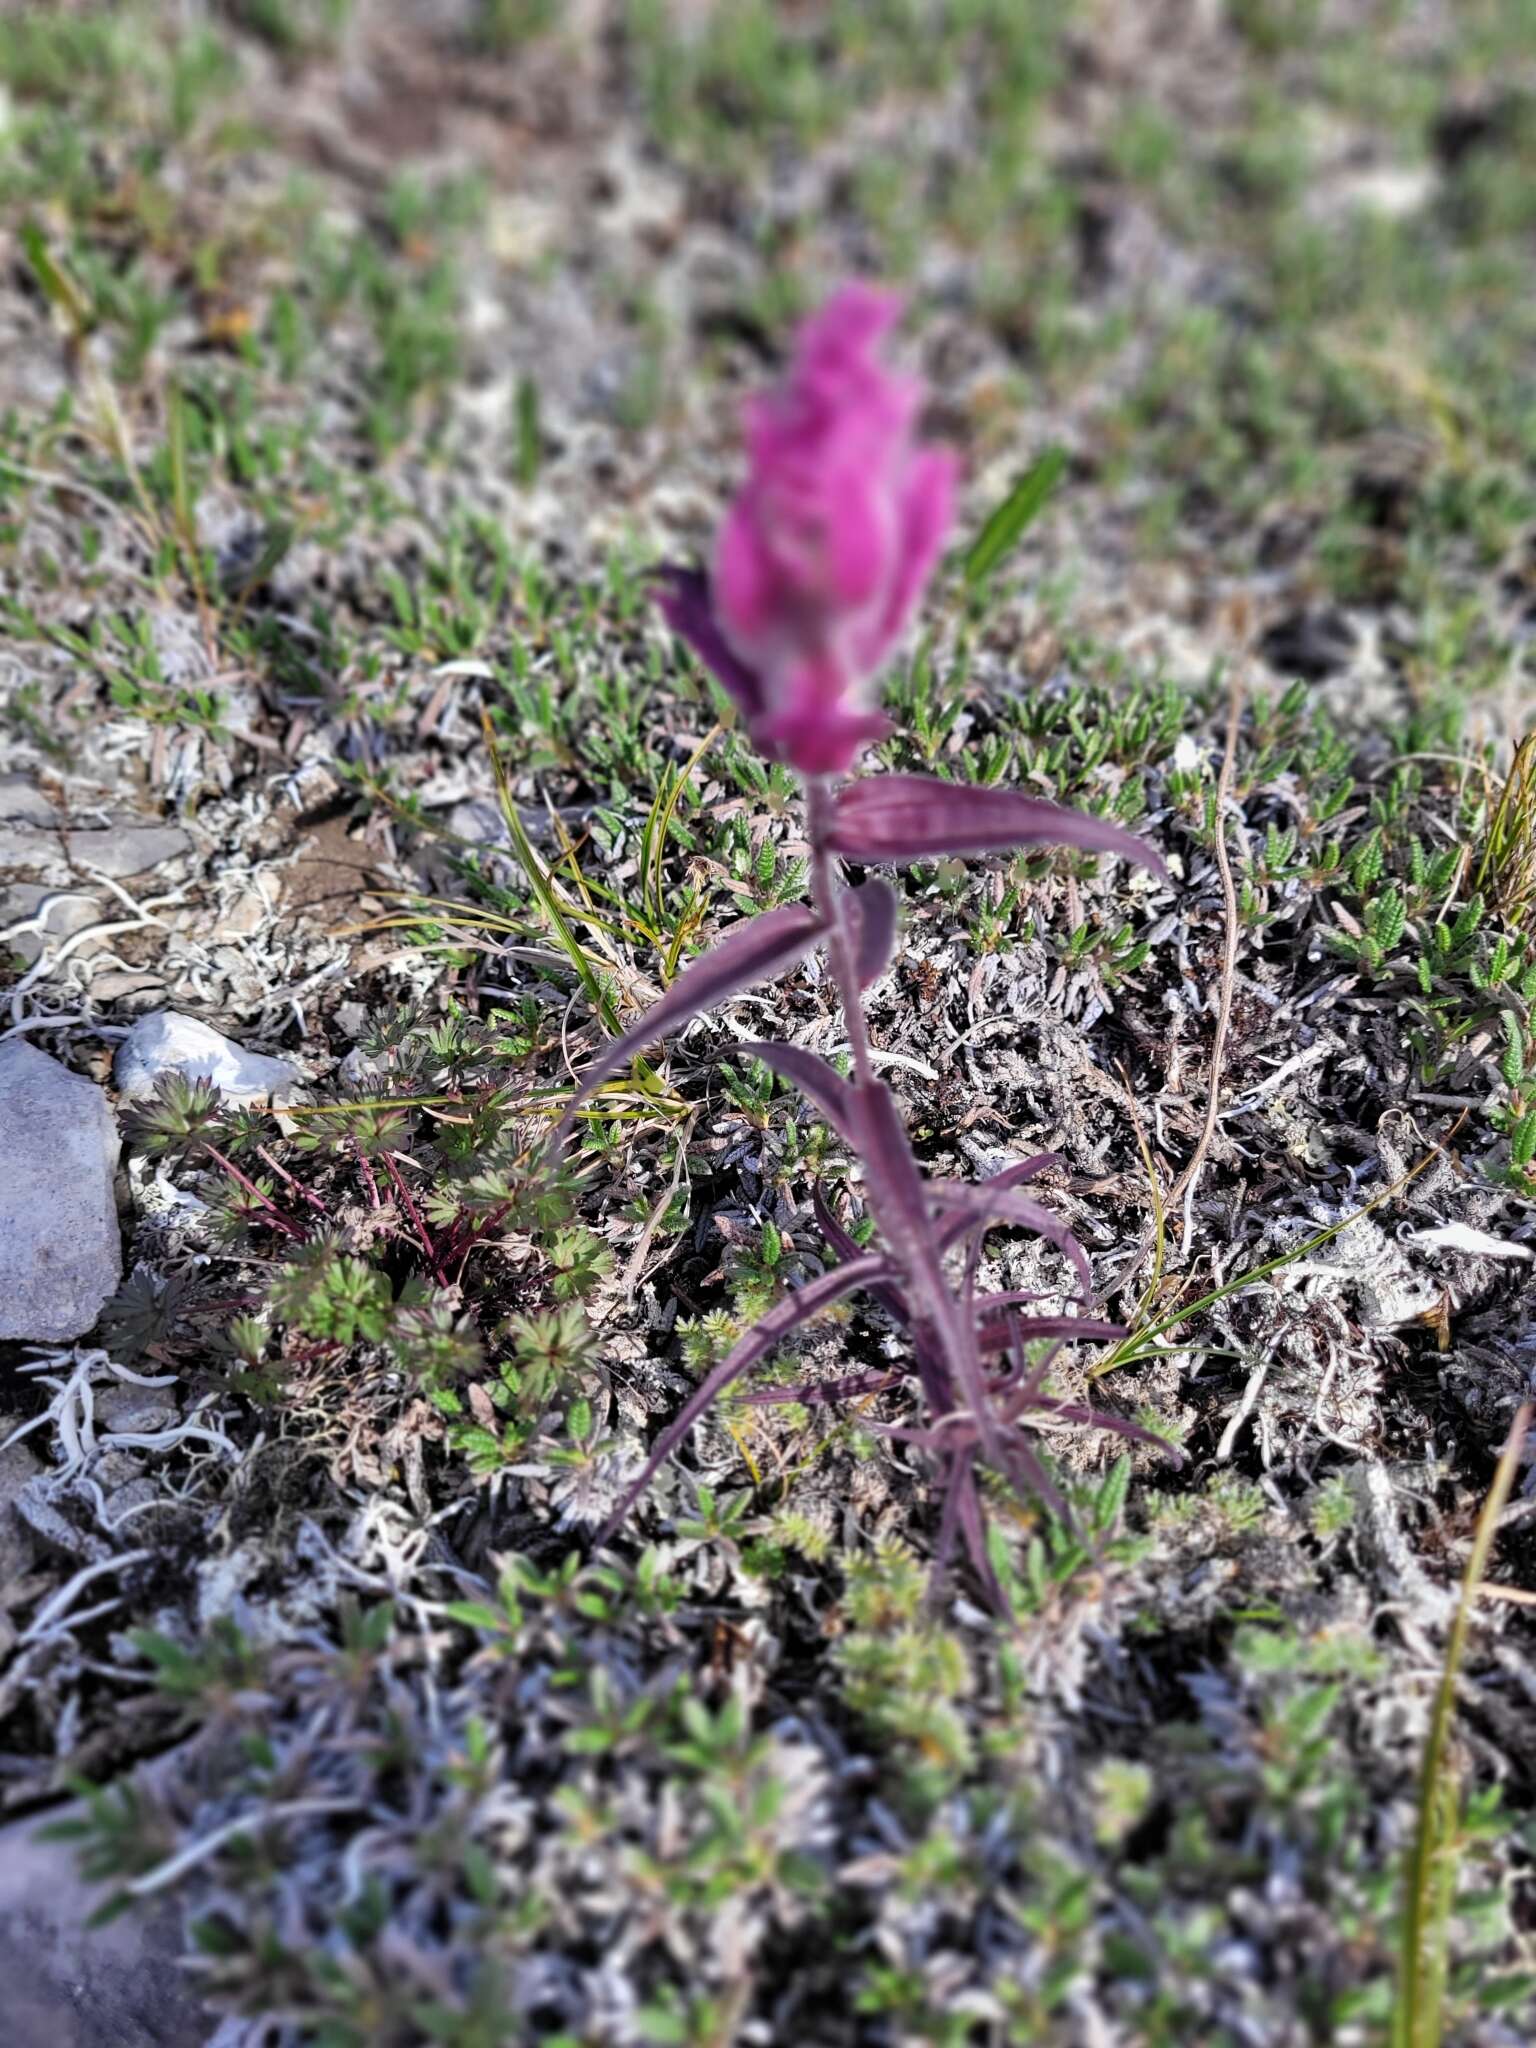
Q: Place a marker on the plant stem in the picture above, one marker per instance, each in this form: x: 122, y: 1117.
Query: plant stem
x: 1418, y: 2017
x: 828, y: 891
x: 415, y: 1215
x: 287, y: 1178
x: 283, y: 1223
x: 899, y: 1205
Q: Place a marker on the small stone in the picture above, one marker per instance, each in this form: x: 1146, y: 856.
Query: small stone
x: 132, y: 1497
x: 165, y: 1042
x: 141, y: 1410
x: 356, y: 1068
x: 23, y: 803
x: 71, y: 1985
x: 1395, y: 190
x: 66, y: 914
x: 122, y: 850
x: 60, y: 1252
x: 246, y: 915
x: 122, y: 984
x: 479, y: 822
x: 17, y: 1466
x: 30, y: 849
x: 309, y: 789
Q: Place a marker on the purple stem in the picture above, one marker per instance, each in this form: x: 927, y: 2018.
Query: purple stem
x: 896, y: 1191
x: 283, y: 1223
x: 287, y: 1178
x: 368, y: 1175
x: 415, y: 1215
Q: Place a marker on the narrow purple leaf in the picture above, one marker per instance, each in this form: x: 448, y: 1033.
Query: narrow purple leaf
x: 871, y: 911
x: 900, y: 1196
x: 987, y: 1203
x: 1021, y: 1170
x: 1100, y: 1418
x: 1007, y: 1177
x: 996, y: 1333
x: 842, y: 1243
x: 1021, y: 1396
x: 765, y: 1333
x: 889, y: 1297
x: 754, y: 951
x: 949, y: 1520
x: 899, y: 818
x: 683, y: 599
x: 824, y: 1393
x: 814, y: 1077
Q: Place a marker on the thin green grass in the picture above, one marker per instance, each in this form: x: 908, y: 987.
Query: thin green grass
x: 1143, y: 1343
x: 1419, y: 2008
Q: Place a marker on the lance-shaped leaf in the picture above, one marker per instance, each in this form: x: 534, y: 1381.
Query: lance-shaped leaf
x: 814, y: 1077
x: 765, y: 1333
x: 871, y: 913
x: 899, y: 818
x: 963, y: 1511
x: 1006, y: 526
x: 1100, y: 1418
x: 754, y: 951
x: 683, y: 598
x: 890, y: 1297
x: 1007, y: 1177
x: 842, y: 1243
x: 825, y: 1393
x: 988, y: 1203
x: 997, y: 1333
x: 900, y: 1197
x: 1009, y: 1300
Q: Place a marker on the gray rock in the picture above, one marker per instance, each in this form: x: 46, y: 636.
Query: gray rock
x: 140, y: 1410
x: 23, y: 803
x: 480, y: 821
x: 17, y: 1466
x: 165, y: 1042
x: 120, y: 850
x: 60, y: 1252
x: 67, y: 913
x: 68, y: 1985
x: 30, y: 849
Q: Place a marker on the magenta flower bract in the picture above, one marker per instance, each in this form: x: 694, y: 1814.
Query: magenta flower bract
x: 823, y: 556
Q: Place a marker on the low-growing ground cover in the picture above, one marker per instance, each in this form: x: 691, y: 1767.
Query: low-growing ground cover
x: 356, y: 366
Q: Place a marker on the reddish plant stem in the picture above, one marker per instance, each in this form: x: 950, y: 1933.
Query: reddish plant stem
x: 414, y: 1213
x: 456, y: 1247
x: 827, y: 891
x: 282, y: 1222
x: 368, y: 1175
x: 288, y: 1180
x: 306, y: 1354
x: 901, y: 1213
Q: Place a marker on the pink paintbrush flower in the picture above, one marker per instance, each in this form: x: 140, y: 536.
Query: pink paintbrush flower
x: 823, y: 556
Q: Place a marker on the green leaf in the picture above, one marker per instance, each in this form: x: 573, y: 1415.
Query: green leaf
x: 1018, y: 511
x: 474, y: 1614
x: 55, y: 282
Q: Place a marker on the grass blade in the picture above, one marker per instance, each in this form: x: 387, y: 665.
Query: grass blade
x: 548, y: 898
x: 1418, y: 2017
x: 1014, y: 515
x: 1142, y: 1343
